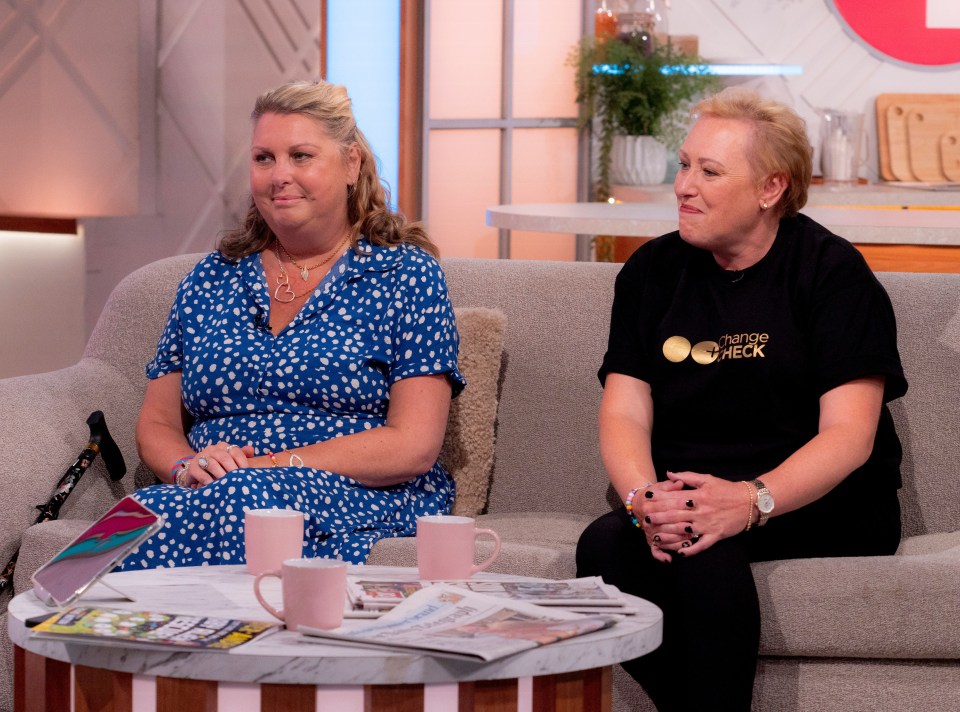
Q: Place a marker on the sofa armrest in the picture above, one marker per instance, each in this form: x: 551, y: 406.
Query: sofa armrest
x: 45, y: 431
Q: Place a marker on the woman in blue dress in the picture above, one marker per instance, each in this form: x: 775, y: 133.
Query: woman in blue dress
x: 309, y: 362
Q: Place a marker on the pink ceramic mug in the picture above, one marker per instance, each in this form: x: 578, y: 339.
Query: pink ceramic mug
x: 271, y: 536
x: 314, y: 591
x: 445, y: 547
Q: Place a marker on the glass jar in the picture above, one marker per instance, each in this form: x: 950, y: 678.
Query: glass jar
x: 637, y: 24
x: 604, y: 21
x: 644, y: 22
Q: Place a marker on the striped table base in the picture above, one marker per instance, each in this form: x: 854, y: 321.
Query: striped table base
x: 46, y: 685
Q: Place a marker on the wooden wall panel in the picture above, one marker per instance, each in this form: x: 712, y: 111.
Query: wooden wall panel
x: 409, y: 181
x: 911, y: 258
x: 881, y: 258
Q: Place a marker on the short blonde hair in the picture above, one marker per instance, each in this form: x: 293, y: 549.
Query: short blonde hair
x: 779, y: 142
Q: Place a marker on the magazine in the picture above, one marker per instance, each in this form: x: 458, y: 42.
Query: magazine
x: 151, y: 628
x: 591, y: 594
x: 448, y: 620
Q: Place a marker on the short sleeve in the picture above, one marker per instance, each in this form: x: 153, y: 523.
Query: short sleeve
x: 426, y: 341
x: 855, y: 331
x: 626, y: 345
x: 169, y: 356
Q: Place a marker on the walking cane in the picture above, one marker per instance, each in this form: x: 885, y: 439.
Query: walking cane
x: 100, y: 442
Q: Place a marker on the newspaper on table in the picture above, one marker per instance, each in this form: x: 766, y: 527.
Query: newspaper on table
x: 150, y: 628
x: 365, y: 593
x: 589, y: 595
x: 448, y: 620
x: 572, y: 592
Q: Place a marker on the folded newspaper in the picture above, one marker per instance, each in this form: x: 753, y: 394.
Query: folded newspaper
x: 588, y: 595
x: 147, y: 628
x: 448, y: 620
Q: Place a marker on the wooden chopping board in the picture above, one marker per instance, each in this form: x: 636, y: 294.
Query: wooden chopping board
x: 892, y: 141
x: 950, y: 155
x: 925, y: 127
x: 898, y: 147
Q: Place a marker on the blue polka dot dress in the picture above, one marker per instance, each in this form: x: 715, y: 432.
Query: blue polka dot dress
x: 378, y: 317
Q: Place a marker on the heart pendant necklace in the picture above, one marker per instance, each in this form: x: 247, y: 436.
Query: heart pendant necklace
x: 284, y: 292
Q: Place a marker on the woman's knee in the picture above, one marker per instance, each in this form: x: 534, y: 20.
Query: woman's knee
x: 612, y: 548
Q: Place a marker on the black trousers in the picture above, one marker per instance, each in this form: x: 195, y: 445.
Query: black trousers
x: 711, y: 614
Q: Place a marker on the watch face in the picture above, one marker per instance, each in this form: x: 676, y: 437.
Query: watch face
x: 765, y: 503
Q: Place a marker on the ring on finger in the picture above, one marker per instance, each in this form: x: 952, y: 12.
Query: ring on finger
x: 230, y: 447
x: 203, y: 462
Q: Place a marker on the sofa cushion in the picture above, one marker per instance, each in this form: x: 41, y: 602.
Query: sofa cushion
x: 468, y: 446
x: 849, y: 607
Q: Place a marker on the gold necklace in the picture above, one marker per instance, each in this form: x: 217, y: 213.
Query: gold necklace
x: 284, y: 292
x: 305, y: 271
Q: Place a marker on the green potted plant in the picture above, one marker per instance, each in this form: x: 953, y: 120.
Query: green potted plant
x: 635, y: 90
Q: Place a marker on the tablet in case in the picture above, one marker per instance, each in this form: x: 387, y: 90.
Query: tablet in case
x: 95, y: 552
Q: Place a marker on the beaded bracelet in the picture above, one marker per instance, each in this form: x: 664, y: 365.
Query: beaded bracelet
x: 628, y: 503
x: 180, y: 467
x: 273, y: 459
x: 749, y: 505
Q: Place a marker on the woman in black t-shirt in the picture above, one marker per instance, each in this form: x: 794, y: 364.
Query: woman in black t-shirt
x: 750, y: 360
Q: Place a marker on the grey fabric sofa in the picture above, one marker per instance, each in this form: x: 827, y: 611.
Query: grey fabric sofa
x: 838, y: 634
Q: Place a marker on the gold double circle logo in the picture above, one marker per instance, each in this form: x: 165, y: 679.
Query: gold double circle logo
x: 677, y: 348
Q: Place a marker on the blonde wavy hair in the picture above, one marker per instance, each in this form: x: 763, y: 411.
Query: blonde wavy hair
x: 778, y: 145
x: 367, y: 200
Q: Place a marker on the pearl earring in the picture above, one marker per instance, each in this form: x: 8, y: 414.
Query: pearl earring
x: 764, y: 206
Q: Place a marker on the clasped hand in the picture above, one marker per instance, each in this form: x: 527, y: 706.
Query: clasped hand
x: 214, y: 461
x: 689, y: 513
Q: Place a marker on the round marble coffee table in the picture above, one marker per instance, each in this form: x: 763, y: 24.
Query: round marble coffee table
x: 282, y: 674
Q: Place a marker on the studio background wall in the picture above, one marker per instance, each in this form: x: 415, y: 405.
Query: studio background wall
x: 130, y: 117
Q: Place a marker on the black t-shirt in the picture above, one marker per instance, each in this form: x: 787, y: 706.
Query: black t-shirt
x: 737, y: 361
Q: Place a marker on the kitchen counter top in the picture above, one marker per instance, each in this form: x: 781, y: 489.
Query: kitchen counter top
x: 876, y: 225
x: 823, y: 194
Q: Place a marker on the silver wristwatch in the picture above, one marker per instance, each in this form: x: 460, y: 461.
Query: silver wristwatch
x: 764, y: 502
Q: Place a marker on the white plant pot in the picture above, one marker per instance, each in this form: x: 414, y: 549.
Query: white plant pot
x: 637, y: 160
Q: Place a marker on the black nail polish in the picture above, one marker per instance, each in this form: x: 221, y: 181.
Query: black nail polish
x: 680, y: 553
x: 690, y: 503
x: 688, y: 530
x: 656, y: 538
x: 648, y: 494
x: 685, y: 544
x: 647, y: 520
x: 695, y: 538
